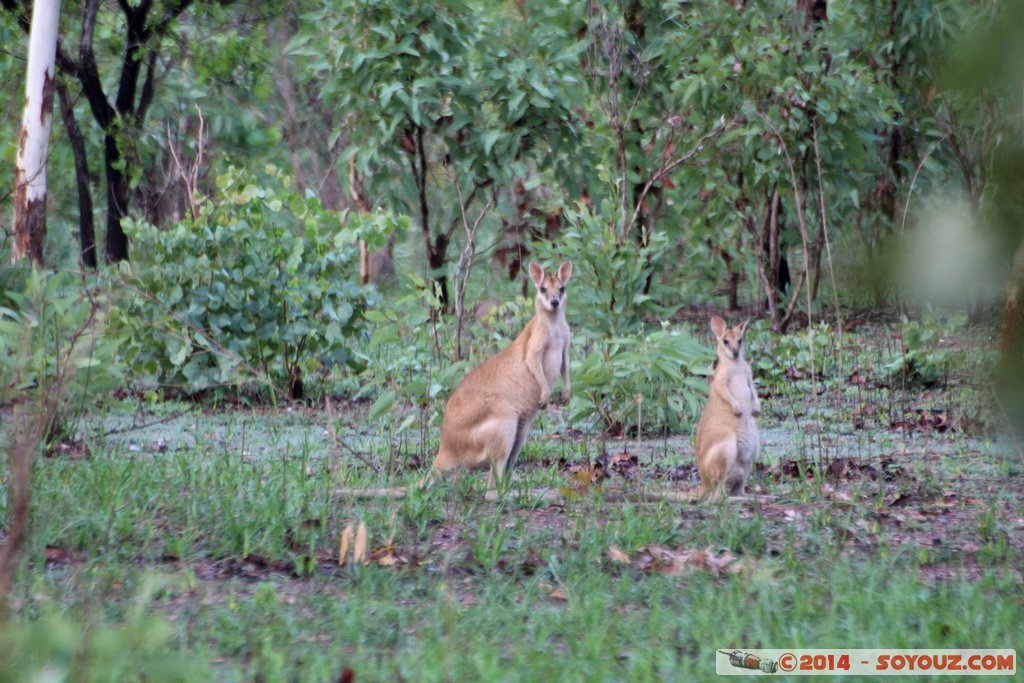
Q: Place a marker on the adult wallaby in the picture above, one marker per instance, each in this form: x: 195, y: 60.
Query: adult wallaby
x: 727, y: 438
x: 489, y: 415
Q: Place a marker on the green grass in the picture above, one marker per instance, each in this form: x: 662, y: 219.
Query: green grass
x: 206, y: 547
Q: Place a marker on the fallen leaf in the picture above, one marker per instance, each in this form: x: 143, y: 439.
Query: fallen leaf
x: 616, y: 555
x: 655, y: 558
x: 721, y: 562
x: 359, y: 547
x: 346, y: 538
x: 385, y: 556
x: 55, y: 555
x: 559, y: 595
x: 532, y: 563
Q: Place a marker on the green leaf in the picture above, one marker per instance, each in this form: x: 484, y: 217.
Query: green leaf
x: 383, y: 404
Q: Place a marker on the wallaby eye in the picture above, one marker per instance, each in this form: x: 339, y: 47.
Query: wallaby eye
x: 561, y: 290
x: 725, y: 341
x: 543, y: 290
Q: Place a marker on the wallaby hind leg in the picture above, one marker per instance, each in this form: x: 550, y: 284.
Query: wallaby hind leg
x: 522, y: 431
x: 716, y: 466
x: 737, y: 487
x: 498, y: 440
x: 739, y: 471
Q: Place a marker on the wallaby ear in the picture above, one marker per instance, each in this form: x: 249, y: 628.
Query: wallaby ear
x: 742, y: 327
x: 717, y: 326
x: 565, y: 272
x: 536, y: 273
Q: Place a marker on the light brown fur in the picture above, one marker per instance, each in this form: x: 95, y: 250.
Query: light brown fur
x: 727, y: 437
x: 489, y: 415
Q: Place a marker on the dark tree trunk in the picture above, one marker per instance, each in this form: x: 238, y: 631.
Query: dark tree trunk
x: 296, y: 391
x: 815, y: 12
x: 436, y: 259
x: 436, y: 247
x: 29, y: 224
x: 117, y: 202
x: 86, y: 228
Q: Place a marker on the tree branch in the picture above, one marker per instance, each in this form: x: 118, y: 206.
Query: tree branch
x: 131, y: 62
x: 148, y: 89
x: 668, y: 166
x: 88, y: 72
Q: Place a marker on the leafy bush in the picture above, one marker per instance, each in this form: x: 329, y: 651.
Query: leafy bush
x: 261, y: 286
x: 614, y: 288
x: 52, y: 347
x: 405, y: 363
x: 924, y: 361
x: 664, y: 371
x: 779, y: 359
x: 614, y: 291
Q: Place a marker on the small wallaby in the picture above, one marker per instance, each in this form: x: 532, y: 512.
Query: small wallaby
x: 727, y: 438
x: 489, y: 415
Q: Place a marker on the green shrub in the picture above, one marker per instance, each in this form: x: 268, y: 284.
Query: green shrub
x: 614, y: 292
x: 409, y: 361
x: 262, y: 286
x: 614, y: 285
x: 657, y: 379
x: 925, y: 362
x: 778, y: 360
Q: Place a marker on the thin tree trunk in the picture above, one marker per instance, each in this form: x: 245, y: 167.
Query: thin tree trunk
x: 86, y: 228
x: 436, y: 248
x: 34, y: 138
x: 117, y: 202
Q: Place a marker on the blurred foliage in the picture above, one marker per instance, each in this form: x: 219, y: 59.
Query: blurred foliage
x: 56, y: 647
x: 53, y: 344
x: 986, y: 71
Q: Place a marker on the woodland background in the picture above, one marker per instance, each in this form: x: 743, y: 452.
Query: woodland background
x: 328, y: 207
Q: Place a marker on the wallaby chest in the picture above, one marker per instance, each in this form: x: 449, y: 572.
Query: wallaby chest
x: 738, y: 382
x: 554, y: 348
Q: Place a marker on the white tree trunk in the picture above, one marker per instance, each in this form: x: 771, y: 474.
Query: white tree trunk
x: 30, y: 169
